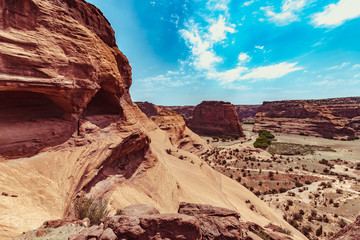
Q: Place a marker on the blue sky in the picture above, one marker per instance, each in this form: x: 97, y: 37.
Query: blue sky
x: 242, y: 51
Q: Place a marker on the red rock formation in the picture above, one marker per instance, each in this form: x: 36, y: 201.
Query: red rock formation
x: 68, y: 120
x: 337, y: 117
x: 150, y: 109
x: 51, y: 68
x: 351, y: 232
x: 215, y: 118
x: 185, y: 111
x: 215, y: 223
x: 193, y: 221
x: 246, y: 113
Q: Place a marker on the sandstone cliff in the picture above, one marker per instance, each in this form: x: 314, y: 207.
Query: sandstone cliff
x: 215, y: 118
x: 185, y: 111
x: 68, y: 126
x: 337, y: 117
x: 246, y: 113
x: 150, y: 109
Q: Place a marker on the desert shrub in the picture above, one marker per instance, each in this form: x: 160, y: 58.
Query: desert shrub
x: 306, y: 230
x: 94, y: 209
x: 266, y: 134
x: 298, y: 217
x: 342, y: 223
x: 236, y: 136
x: 307, y: 182
x: 262, y: 142
x: 224, y: 137
x: 215, y: 138
x: 168, y: 151
x: 263, y: 235
x: 285, y: 231
x: 282, y: 190
x: 119, y: 212
x: 298, y: 184
x: 319, y: 231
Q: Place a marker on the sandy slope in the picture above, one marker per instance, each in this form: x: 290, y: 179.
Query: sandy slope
x: 46, y: 183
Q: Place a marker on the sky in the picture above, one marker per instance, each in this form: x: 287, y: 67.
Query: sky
x: 243, y: 51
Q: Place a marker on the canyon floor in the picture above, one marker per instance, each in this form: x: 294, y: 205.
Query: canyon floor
x: 313, y: 182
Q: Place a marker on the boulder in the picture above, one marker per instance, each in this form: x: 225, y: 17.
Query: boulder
x: 157, y: 226
x: 215, y: 222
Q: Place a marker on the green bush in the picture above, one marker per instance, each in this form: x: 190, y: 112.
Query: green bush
x: 266, y: 134
x: 236, y: 136
x: 262, y: 142
x: 91, y: 208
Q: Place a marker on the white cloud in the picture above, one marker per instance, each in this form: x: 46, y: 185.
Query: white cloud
x: 204, y: 57
x: 227, y: 76
x: 356, y: 66
x: 272, y: 71
x: 336, y: 14
x: 289, y: 12
x: 243, y: 57
x: 248, y: 3
x: 259, y: 47
x: 336, y: 83
x: 218, y: 5
x: 260, y: 73
x: 341, y: 66
x: 219, y: 29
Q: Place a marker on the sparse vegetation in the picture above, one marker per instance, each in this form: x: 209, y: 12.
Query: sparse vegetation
x: 296, y: 149
x: 94, y: 209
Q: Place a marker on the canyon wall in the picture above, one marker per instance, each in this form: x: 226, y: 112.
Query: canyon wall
x: 329, y: 118
x: 246, y: 113
x: 69, y: 127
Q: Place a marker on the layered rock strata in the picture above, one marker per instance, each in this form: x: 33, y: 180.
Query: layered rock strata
x: 215, y: 118
x: 69, y: 128
x: 329, y: 118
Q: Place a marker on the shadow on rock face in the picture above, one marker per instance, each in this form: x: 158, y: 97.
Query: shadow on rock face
x: 30, y: 122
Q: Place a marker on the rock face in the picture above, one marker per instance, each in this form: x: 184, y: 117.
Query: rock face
x: 69, y: 128
x: 215, y: 223
x: 351, y: 232
x: 149, y: 109
x: 192, y: 222
x: 185, y: 111
x: 51, y: 68
x: 246, y: 113
x: 337, y: 117
x: 215, y: 118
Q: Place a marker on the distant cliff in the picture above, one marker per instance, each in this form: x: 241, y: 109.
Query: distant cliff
x: 215, y: 118
x: 336, y: 117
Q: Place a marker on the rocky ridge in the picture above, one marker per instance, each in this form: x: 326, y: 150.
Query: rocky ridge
x: 329, y: 118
